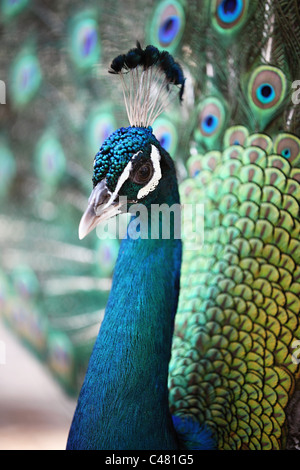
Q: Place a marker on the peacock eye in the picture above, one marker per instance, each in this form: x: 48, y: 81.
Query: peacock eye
x: 144, y: 173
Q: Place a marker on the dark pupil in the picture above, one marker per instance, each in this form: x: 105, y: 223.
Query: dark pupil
x: 266, y: 91
x: 168, y: 25
x: 144, y: 171
x: 229, y: 6
x: 286, y: 152
x: 209, y: 120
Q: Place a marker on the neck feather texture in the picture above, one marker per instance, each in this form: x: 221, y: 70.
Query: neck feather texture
x: 123, y: 403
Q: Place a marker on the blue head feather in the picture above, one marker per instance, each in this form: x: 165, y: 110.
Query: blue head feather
x: 117, y: 150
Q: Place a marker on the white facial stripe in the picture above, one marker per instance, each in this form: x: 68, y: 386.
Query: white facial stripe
x: 124, y: 176
x: 155, y: 158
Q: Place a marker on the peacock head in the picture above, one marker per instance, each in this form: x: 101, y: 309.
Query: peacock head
x: 128, y: 169
x: 131, y: 163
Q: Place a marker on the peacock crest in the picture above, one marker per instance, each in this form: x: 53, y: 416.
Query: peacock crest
x: 150, y: 79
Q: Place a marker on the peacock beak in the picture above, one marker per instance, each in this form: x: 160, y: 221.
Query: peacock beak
x: 101, y: 206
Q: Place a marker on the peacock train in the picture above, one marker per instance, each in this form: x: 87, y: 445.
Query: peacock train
x: 167, y: 344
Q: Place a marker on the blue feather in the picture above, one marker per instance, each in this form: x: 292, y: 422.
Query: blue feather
x: 192, y: 435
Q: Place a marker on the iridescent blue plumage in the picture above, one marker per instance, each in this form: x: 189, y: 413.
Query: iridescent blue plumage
x: 124, y: 401
x: 116, y: 152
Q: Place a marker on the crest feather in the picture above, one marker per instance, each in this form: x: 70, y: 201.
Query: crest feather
x: 150, y: 80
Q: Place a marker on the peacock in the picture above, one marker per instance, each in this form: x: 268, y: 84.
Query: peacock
x: 230, y: 353
x: 199, y: 339
x: 123, y: 403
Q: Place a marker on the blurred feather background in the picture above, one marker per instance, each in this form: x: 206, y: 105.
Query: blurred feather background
x: 60, y: 106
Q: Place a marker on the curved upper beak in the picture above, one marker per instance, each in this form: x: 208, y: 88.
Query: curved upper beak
x: 100, y: 207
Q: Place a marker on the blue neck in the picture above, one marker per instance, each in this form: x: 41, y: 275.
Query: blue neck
x: 123, y: 403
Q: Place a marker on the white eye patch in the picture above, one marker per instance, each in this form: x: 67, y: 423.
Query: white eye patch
x: 155, y: 158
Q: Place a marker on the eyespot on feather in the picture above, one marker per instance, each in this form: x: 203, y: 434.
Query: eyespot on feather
x: 228, y: 16
x: 288, y: 146
x: 167, y: 24
x: 84, y: 41
x: 166, y: 134
x: 267, y: 90
x: 211, y: 119
x: 267, y: 87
